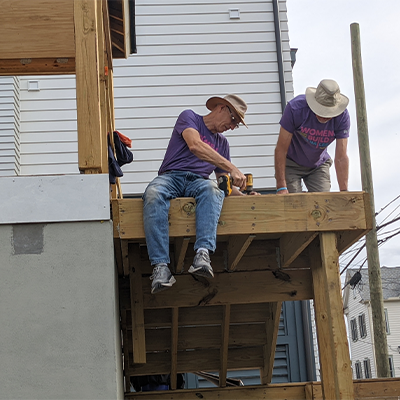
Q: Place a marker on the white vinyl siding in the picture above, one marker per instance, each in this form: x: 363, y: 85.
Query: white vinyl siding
x: 9, y: 126
x: 187, y: 51
x: 48, y: 126
x: 393, y: 311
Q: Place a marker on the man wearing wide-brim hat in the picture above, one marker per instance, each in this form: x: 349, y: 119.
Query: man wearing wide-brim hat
x: 196, y: 149
x: 310, y: 123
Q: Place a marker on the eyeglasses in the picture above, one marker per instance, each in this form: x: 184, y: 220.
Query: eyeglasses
x: 233, y: 119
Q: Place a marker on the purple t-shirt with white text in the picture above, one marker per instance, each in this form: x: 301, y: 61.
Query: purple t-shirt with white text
x: 311, y: 138
x: 178, y: 157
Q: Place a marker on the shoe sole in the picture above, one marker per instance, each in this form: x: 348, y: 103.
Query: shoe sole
x: 159, y: 287
x: 200, y: 272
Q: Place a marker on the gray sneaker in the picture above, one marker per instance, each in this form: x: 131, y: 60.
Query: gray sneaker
x: 162, y: 279
x: 202, y: 265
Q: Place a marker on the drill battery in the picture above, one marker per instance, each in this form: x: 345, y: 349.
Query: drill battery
x: 225, y: 184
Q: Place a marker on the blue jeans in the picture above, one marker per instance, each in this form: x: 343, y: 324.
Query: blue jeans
x: 172, y: 184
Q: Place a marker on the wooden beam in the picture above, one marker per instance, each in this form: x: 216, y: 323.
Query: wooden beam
x: 363, y: 389
x: 292, y: 244
x: 240, y: 313
x: 174, y: 347
x: 203, y: 360
x: 237, y: 246
x: 271, y: 327
x: 332, y: 339
x: 180, y: 246
x: 37, y: 66
x: 39, y: 28
x: 138, y: 332
x: 223, y: 370
x: 296, y: 212
x: 205, y: 336
x: 289, y: 391
x: 254, y: 287
x: 88, y: 86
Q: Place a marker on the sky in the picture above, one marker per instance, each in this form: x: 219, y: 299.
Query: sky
x: 320, y: 30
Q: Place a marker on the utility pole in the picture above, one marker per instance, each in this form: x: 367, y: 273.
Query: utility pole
x: 374, y: 269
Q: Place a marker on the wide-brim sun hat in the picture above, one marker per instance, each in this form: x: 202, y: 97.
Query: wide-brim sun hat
x: 233, y: 102
x: 326, y: 100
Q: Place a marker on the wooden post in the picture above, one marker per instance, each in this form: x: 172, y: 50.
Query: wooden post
x: 136, y: 292
x: 224, y: 344
x: 374, y: 269
x: 336, y: 374
x: 88, y: 86
x: 273, y: 312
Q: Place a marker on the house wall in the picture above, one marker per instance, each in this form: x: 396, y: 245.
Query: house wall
x: 59, y: 320
x: 393, y: 338
x: 9, y: 126
x: 364, y: 347
x: 187, y: 51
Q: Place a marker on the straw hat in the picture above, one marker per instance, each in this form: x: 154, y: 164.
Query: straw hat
x: 326, y: 100
x: 233, y: 102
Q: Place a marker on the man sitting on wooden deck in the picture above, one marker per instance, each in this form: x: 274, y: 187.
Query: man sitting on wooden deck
x: 196, y: 149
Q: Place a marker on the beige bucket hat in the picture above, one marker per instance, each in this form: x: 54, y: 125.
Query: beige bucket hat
x: 326, y: 100
x: 232, y: 101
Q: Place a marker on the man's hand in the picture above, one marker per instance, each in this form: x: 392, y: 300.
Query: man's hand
x: 239, y: 179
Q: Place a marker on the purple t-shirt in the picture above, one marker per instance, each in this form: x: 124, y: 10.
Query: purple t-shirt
x: 311, y: 138
x: 178, y: 157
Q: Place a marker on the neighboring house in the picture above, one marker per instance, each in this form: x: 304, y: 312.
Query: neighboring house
x: 357, y: 306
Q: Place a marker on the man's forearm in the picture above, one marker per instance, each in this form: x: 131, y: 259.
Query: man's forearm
x: 206, y: 153
x: 280, y: 168
x: 342, y: 172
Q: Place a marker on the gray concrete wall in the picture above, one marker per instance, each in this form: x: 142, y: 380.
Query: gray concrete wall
x: 59, y: 318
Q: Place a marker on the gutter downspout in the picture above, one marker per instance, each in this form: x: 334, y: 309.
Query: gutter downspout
x: 278, y: 39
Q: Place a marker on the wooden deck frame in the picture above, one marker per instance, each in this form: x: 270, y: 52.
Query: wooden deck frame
x: 371, y: 389
x: 270, y: 249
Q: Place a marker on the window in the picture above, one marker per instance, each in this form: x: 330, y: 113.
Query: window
x: 362, y: 325
x: 391, y: 366
x: 367, y: 368
x: 387, y: 321
x: 358, y: 370
x: 353, y: 327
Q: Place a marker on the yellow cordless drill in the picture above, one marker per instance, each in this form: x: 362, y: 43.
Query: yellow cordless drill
x: 225, y: 183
